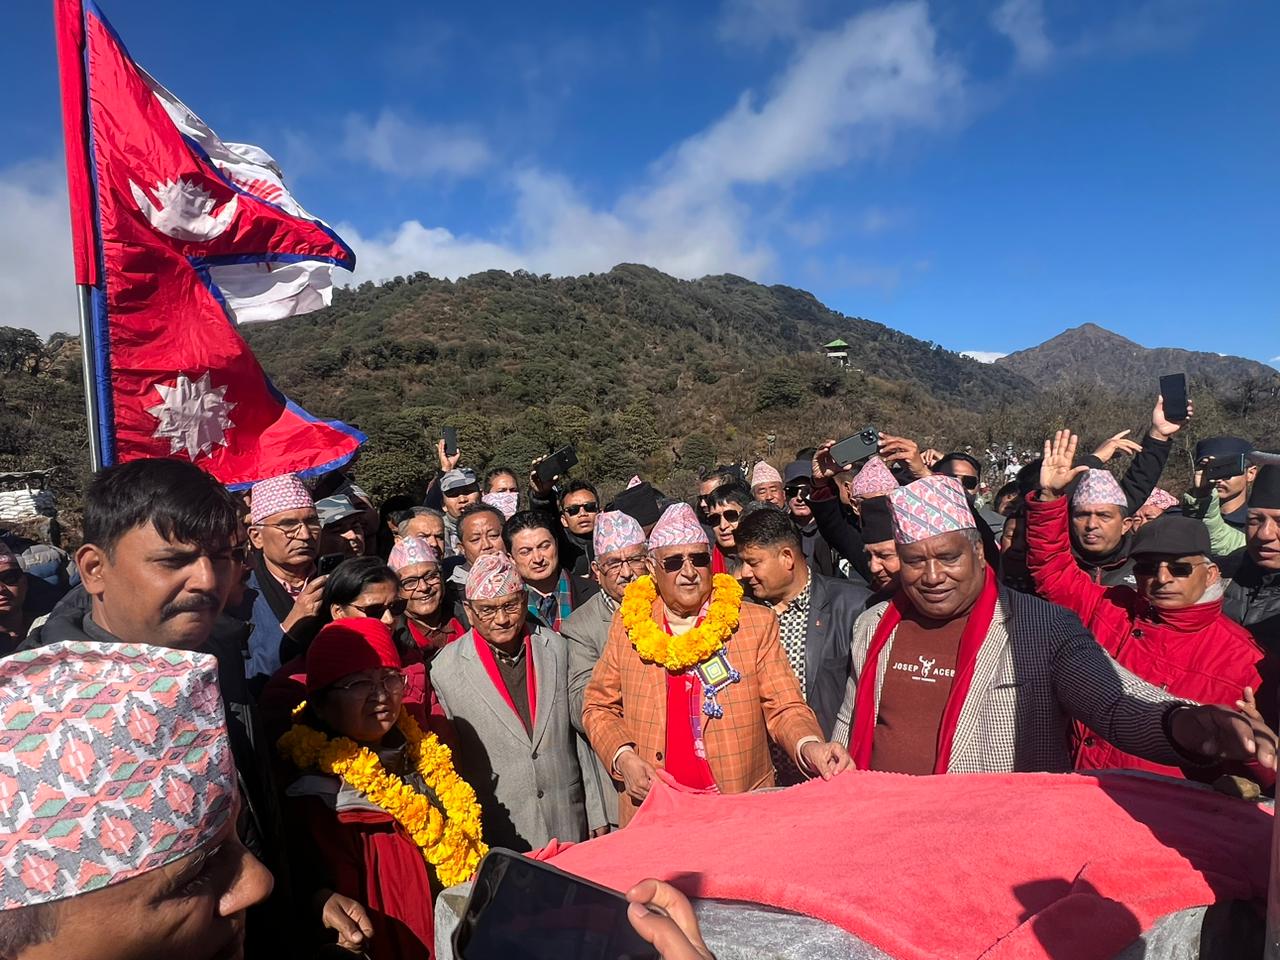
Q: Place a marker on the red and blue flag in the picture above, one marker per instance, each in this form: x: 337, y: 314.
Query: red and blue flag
x: 182, y: 237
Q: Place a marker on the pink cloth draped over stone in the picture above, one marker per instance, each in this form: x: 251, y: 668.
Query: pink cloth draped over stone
x: 991, y: 866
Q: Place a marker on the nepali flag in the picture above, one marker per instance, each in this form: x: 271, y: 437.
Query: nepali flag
x: 181, y: 237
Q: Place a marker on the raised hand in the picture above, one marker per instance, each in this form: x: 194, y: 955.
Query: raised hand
x: 1056, y: 470
x: 447, y: 462
x: 1117, y: 444
x: 824, y: 466
x: 1163, y: 428
x: 900, y: 449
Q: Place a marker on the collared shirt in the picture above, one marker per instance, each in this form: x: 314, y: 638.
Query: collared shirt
x: 793, y: 628
x: 553, y: 608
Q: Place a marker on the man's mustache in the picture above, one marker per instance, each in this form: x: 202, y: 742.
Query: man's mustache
x: 196, y: 603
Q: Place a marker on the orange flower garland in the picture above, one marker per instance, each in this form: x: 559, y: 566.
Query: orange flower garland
x: 451, y: 842
x: 655, y: 645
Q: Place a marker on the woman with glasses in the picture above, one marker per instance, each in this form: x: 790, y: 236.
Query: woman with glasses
x: 362, y: 587
x: 427, y: 624
x: 346, y: 825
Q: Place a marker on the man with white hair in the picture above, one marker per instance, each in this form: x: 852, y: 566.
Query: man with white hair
x: 958, y: 674
x: 696, y: 682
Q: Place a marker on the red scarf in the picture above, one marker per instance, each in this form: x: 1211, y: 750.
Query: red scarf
x: 718, y: 562
x: 863, y: 731
x: 485, y: 653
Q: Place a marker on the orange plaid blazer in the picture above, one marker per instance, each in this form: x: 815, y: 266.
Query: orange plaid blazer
x: 626, y: 703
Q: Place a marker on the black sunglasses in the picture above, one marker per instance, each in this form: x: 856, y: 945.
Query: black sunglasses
x: 590, y: 506
x: 11, y: 578
x: 1177, y: 568
x: 728, y: 516
x: 676, y: 564
x: 970, y: 483
x: 797, y: 489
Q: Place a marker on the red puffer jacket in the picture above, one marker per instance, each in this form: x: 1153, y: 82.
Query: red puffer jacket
x: 1196, y: 653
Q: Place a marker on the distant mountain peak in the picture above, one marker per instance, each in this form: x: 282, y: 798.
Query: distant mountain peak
x: 1092, y: 355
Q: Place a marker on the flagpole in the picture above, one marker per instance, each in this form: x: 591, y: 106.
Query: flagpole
x: 84, y: 296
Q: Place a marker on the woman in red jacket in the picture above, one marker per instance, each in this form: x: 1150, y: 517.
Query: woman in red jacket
x: 379, y: 821
x: 1170, y: 631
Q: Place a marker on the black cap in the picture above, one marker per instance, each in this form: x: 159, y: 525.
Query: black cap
x: 1265, y: 493
x: 1222, y: 447
x: 797, y: 470
x: 639, y: 502
x: 877, y: 520
x: 1172, y: 536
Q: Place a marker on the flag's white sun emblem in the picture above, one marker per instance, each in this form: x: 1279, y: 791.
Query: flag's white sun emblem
x: 183, y: 209
x: 193, y: 415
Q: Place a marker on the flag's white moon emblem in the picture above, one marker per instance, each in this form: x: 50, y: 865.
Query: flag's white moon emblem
x: 184, y: 210
x: 193, y: 415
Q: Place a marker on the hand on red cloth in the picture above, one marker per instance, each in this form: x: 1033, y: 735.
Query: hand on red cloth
x: 826, y: 759
x: 664, y: 917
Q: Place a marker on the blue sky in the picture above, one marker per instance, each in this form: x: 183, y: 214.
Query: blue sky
x: 979, y: 174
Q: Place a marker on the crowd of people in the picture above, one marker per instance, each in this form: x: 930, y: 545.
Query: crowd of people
x: 285, y: 720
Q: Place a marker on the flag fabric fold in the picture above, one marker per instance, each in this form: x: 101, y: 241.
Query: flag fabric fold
x: 182, y: 237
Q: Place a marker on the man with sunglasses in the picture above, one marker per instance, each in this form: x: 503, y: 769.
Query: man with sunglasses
x: 641, y: 716
x: 579, y: 509
x: 725, y: 506
x: 504, y: 683
x: 797, y: 485
x: 1170, y: 630
x: 284, y: 589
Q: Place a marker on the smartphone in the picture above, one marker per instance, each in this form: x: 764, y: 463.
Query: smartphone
x: 1173, y: 388
x: 556, y: 465
x: 329, y: 562
x: 1225, y: 468
x: 450, y: 437
x: 522, y: 909
x: 863, y: 444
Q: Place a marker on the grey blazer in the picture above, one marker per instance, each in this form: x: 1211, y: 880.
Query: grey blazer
x: 586, y: 632
x: 834, y: 608
x: 1037, y: 669
x: 530, y: 787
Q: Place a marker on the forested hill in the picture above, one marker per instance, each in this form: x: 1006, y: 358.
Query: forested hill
x: 642, y: 371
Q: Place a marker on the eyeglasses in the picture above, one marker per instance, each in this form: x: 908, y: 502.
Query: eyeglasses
x: 391, y: 683
x: 676, y: 564
x: 798, y: 490
x: 727, y: 516
x: 486, y: 612
x: 1179, y: 569
x: 611, y: 567
x: 11, y: 578
x: 376, y: 611
x: 590, y: 506
x: 968, y: 482
x: 410, y: 584
x: 293, y: 528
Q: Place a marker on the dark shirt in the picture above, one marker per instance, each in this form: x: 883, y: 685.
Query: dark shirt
x: 515, y: 677
x: 921, y: 669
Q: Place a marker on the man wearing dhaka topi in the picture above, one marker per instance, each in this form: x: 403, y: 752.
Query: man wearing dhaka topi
x: 696, y: 683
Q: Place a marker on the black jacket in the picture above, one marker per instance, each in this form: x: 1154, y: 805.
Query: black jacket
x: 836, y: 524
x: 834, y: 607
x: 1253, y: 600
x: 1144, y: 470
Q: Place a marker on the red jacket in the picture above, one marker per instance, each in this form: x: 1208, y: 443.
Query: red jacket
x: 1196, y: 653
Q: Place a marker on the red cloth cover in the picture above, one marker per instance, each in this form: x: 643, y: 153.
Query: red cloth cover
x: 997, y: 866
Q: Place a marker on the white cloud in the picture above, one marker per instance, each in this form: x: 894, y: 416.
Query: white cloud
x: 1022, y: 22
x: 846, y: 93
x: 36, y: 282
x: 405, y: 148
x: 983, y: 356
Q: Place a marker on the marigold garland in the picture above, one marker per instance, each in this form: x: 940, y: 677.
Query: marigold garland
x: 451, y: 843
x: 655, y: 645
